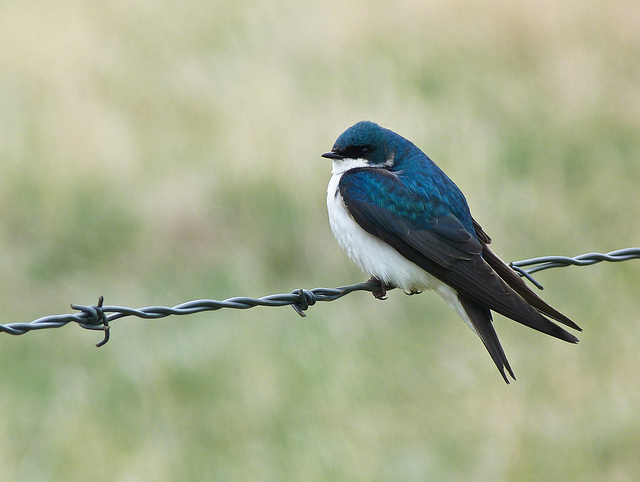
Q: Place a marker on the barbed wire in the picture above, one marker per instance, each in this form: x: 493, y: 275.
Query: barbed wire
x: 547, y: 262
x: 95, y: 317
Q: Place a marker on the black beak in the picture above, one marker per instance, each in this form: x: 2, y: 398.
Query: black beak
x: 332, y: 155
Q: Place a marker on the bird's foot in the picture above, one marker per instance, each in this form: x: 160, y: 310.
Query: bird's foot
x: 380, y: 294
x: 412, y: 292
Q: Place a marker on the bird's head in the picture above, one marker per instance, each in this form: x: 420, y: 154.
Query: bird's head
x: 365, y: 142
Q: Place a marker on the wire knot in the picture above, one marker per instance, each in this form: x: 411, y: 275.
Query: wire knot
x: 307, y: 298
x: 94, y: 318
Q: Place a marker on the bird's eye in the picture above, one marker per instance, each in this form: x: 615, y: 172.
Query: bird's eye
x: 365, y: 150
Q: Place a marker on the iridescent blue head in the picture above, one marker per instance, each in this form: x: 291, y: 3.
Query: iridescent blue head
x: 367, y: 141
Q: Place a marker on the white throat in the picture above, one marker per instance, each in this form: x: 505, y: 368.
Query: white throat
x: 340, y: 166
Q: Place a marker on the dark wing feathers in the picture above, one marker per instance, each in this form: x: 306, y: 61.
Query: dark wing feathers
x: 514, y: 280
x: 443, y: 247
x: 476, y: 280
x: 445, y: 243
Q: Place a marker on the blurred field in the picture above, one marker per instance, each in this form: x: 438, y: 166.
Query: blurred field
x: 157, y: 153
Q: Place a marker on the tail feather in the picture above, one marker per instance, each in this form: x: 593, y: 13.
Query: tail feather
x: 480, y: 318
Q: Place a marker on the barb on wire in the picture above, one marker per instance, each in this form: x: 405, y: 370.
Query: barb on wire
x: 95, y: 317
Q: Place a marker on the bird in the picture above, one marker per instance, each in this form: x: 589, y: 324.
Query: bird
x: 403, y: 221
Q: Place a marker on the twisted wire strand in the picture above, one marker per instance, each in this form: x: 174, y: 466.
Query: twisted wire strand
x: 547, y: 262
x: 581, y: 260
x: 98, y: 317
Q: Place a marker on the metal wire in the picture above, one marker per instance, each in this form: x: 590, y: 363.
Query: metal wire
x: 546, y: 262
x: 95, y: 317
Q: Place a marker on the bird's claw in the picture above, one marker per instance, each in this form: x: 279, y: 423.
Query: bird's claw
x: 380, y: 294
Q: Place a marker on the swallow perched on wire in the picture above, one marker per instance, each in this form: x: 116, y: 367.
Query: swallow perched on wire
x: 403, y: 221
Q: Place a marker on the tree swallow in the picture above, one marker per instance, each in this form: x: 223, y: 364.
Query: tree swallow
x: 404, y: 222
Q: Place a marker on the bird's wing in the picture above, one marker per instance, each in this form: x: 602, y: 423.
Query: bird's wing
x: 431, y: 236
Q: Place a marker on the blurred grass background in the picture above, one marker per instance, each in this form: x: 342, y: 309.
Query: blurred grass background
x: 157, y: 153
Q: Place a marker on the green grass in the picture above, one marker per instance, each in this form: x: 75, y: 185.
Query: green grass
x: 156, y: 153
